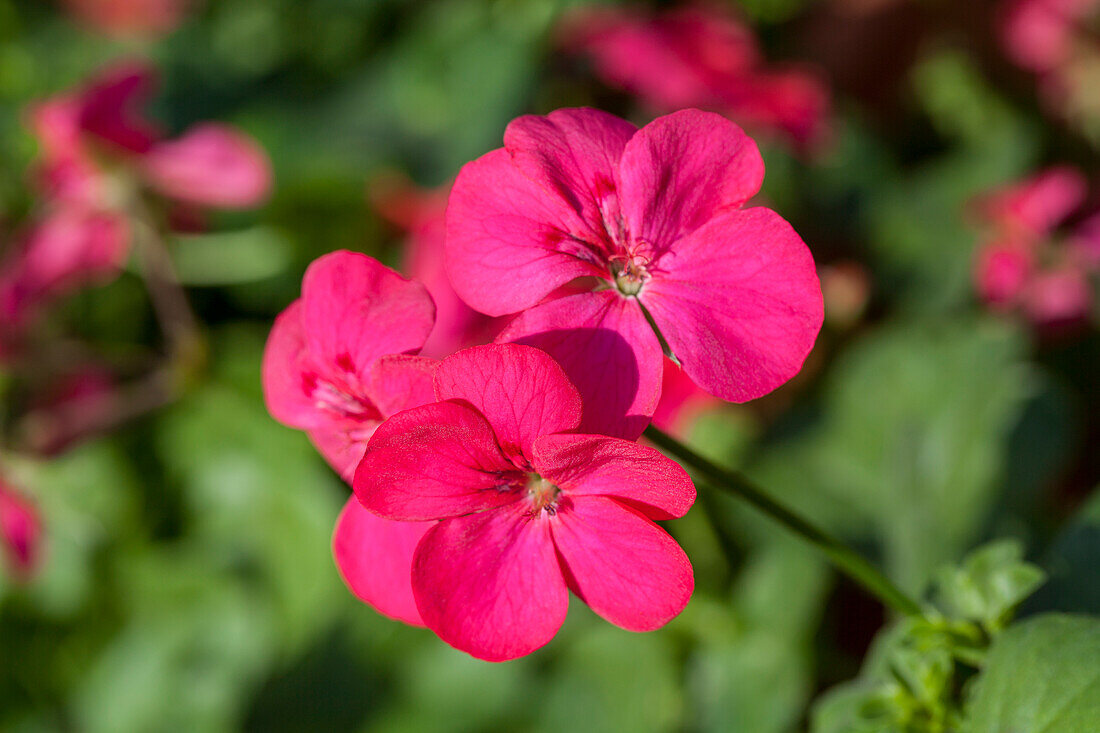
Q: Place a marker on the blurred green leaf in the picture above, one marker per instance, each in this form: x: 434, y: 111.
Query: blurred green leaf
x: 989, y: 584
x: 1042, y: 676
x: 225, y: 258
x: 1072, y: 562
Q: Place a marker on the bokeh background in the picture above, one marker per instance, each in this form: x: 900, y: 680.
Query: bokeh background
x: 181, y: 577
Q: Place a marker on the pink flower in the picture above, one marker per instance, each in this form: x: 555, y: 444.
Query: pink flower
x: 653, y: 219
x: 69, y: 249
x: 20, y: 532
x: 421, y: 214
x: 1036, y: 205
x: 339, y: 360
x: 131, y: 17
x: 700, y: 57
x: 1040, y: 34
x: 1002, y: 271
x: 528, y: 510
x: 209, y: 164
x: 1058, y: 296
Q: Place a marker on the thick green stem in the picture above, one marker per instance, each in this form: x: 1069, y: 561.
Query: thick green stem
x: 843, y: 557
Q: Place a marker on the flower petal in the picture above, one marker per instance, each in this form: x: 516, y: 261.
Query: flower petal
x: 401, y: 382
x: 572, y: 154
x: 508, y: 242
x: 625, y: 567
x: 739, y: 303
x: 435, y: 461
x: 595, y: 465
x: 342, y: 444
x: 608, y: 351
x: 108, y: 110
x: 355, y: 309
x: 374, y: 557
x: 210, y: 165
x: 681, y: 170
x: 285, y: 364
x: 490, y: 583
x: 521, y: 391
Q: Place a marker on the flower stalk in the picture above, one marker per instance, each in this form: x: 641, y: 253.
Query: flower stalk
x: 840, y: 555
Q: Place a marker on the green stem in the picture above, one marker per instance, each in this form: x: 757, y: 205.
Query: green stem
x: 842, y: 556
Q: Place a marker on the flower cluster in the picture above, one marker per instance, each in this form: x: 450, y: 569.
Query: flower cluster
x: 1056, y: 40
x: 98, y: 158
x: 1024, y: 264
x: 491, y: 483
x: 700, y: 57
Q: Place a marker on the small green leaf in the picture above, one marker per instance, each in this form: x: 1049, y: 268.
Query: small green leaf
x: 991, y: 582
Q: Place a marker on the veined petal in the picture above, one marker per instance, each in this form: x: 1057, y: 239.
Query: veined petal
x: 374, y: 557
x: 681, y: 170
x: 607, y: 350
x: 596, y: 465
x: 625, y: 567
x: 739, y: 303
x: 521, y: 391
x: 509, y: 243
x: 435, y: 461
x: 355, y: 309
x: 342, y: 444
x: 572, y: 154
x: 490, y: 583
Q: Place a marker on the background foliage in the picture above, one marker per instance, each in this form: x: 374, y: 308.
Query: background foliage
x: 187, y: 582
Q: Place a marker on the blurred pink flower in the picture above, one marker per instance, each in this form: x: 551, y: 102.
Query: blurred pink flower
x: 71, y: 248
x: 93, y: 141
x: 1026, y: 264
x: 702, y: 57
x: 682, y: 401
x: 141, y: 18
x: 421, y: 214
x: 20, y: 532
x: 1039, y: 35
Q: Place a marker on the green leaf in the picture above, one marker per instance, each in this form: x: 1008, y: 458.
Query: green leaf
x: 1041, y: 676
x: 226, y: 258
x: 988, y: 586
x: 1072, y: 561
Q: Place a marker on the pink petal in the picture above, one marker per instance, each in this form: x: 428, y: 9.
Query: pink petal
x: 401, y: 382
x: 1002, y: 271
x: 521, y: 391
x: 608, y: 351
x: 355, y: 309
x: 683, y: 169
x: 1039, y: 203
x: 435, y: 461
x: 20, y: 532
x: 1059, y: 296
x: 572, y: 155
x: 286, y: 363
x: 625, y: 567
x: 490, y: 584
x: 374, y: 557
x: 508, y: 242
x: 210, y: 165
x: 342, y: 445
x: 739, y: 303
x: 109, y: 107
x: 595, y: 465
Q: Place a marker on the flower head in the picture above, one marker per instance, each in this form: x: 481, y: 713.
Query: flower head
x: 527, y: 510
x: 654, y: 219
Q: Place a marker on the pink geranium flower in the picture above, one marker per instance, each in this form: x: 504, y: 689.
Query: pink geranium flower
x: 654, y: 219
x: 210, y: 164
x: 681, y: 401
x: 527, y: 510
x: 20, y: 532
x: 421, y: 214
x: 699, y: 57
x: 339, y: 360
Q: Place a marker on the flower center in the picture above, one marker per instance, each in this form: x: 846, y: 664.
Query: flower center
x: 339, y: 400
x: 630, y: 272
x: 543, y: 494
